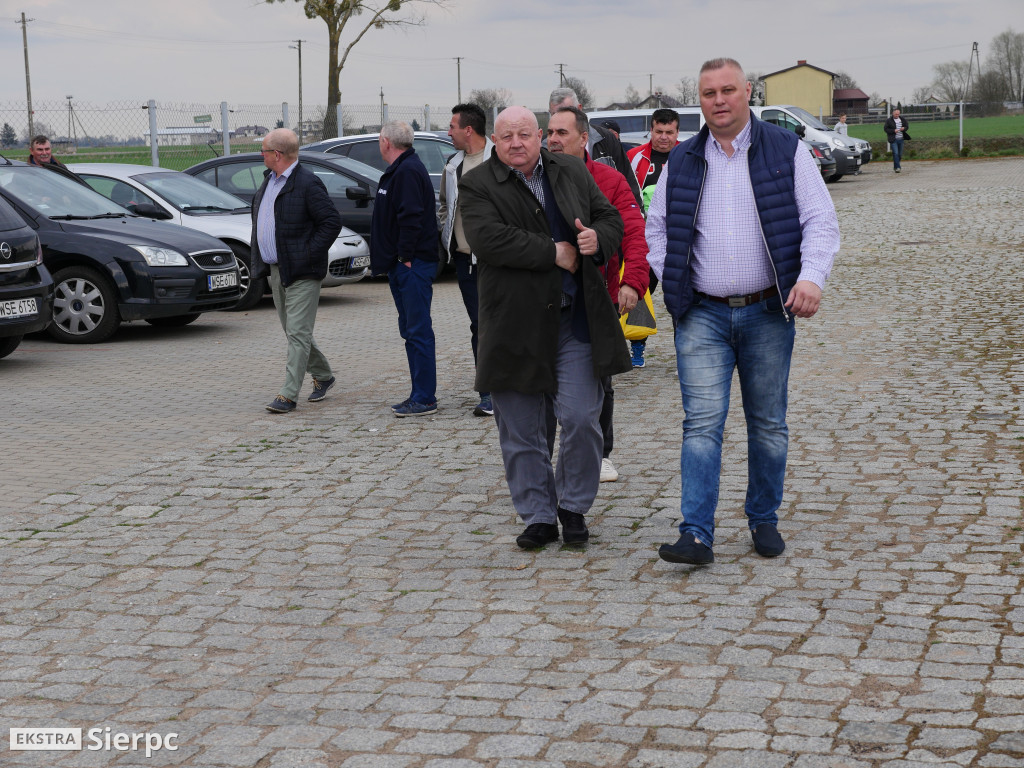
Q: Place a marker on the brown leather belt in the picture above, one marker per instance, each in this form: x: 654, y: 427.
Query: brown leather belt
x: 742, y: 301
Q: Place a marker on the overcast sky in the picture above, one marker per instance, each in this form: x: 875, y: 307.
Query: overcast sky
x: 207, y: 51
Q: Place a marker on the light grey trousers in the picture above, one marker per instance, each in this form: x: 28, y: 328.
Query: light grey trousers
x: 296, y: 308
x: 537, y: 488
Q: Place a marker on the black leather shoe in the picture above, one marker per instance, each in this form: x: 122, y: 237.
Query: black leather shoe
x: 574, y: 527
x: 767, y: 541
x: 537, y: 535
x: 687, y: 550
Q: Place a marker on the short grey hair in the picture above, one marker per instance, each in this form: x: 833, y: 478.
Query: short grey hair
x: 561, y: 94
x: 711, y: 64
x: 398, y: 133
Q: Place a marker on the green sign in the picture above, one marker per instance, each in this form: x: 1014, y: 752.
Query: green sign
x: 203, y: 118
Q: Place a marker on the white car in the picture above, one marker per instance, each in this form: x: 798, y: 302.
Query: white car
x: 178, y: 198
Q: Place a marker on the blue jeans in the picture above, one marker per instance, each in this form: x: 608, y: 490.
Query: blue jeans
x: 897, y: 152
x: 712, y: 340
x: 412, y: 288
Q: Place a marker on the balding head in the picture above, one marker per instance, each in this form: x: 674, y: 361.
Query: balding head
x: 516, y: 139
x: 284, y: 141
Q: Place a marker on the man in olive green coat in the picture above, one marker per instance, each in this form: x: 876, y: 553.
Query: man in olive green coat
x: 541, y: 229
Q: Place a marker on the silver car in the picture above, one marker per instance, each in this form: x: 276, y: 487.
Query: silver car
x: 178, y: 198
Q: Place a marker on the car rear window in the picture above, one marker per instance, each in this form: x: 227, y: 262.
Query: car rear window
x: 9, y: 219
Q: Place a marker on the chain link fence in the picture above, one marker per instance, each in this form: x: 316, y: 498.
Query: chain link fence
x: 186, y: 134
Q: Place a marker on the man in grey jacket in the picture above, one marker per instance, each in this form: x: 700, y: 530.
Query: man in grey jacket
x: 468, y: 132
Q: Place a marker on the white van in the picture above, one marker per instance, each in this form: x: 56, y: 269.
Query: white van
x: 850, y: 153
x: 635, y: 124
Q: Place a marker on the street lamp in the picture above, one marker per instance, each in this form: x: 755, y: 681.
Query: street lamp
x: 299, y: 49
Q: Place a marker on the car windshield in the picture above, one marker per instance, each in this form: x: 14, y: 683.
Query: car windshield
x: 54, y: 196
x: 808, y: 118
x: 9, y: 218
x: 355, y: 166
x: 188, y: 194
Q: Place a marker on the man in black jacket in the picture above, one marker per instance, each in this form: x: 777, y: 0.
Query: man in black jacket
x: 294, y: 224
x: 404, y: 246
x: 896, y: 131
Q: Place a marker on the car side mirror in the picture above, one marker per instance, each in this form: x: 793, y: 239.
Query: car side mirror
x: 801, y: 131
x: 151, y: 211
x: 357, y: 193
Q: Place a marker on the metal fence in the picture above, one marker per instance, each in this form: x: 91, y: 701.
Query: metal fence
x: 123, y: 132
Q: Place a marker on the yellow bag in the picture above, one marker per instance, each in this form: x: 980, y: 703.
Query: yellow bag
x: 639, y: 322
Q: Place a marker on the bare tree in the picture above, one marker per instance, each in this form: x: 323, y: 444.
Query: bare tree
x: 364, y: 16
x: 921, y: 95
x: 843, y: 80
x: 583, y: 92
x: 950, y: 81
x: 1007, y: 59
x: 489, y: 99
x: 687, y: 90
x: 632, y: 96
x: 756, y: 80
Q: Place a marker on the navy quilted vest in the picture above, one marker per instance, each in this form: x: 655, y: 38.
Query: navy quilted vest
x: 770, y: 157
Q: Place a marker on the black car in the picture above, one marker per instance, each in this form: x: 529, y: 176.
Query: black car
x: 26, y: 288
x: 352, y: 185
x: 109, y: 265
x: 433, y: 150
x: 822, y: 154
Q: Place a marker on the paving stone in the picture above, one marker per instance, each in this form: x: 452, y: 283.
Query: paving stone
x: 337, y: 587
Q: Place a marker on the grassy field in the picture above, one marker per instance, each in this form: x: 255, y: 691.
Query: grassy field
x: 173, y: 158
x: 974, y: 127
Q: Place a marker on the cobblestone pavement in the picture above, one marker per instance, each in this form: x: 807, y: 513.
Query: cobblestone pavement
x: 337, y: 587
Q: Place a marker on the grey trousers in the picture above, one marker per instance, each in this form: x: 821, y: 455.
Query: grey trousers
x: 296, y: 309
x: 537, y: 488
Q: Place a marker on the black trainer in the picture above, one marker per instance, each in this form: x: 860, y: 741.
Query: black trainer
x: 574, y: 527
x: 767, y: 540
x: 537, y: 535
x: 687, y: 550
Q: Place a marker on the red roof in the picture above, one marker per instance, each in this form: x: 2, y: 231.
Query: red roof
x: 849, y: 93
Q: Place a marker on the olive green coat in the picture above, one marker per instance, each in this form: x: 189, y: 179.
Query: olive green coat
x: 520, y: 286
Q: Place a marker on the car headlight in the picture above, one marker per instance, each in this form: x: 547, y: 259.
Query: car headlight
x: 838, y: 143
x: 161, y: 257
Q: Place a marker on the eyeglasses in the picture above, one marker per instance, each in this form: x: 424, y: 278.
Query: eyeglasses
x: 264, y: 151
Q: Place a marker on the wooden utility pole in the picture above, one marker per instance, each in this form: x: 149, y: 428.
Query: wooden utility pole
x: 458, y: 74
x: 28, y: 83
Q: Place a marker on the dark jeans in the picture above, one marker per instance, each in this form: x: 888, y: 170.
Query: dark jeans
x: 466, y: 275
x: 412, y: 288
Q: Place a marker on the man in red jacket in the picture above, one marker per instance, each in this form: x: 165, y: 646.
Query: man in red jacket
x: 567, y: 133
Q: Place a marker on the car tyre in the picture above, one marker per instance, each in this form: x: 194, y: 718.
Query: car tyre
x: 176, y: 321
x: 84, y: 307
x: 252, y: 290
x: 834, y: 179
x: 8, y: 345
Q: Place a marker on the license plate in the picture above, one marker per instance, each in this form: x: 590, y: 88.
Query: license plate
x: 19, y: 308
x: 360, y: 261
x: 858, y: 161
x: 224, y: 280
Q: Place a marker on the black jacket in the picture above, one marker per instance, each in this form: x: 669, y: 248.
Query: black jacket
x: 519, y: 285
x: 890, y: 129
x: 404, y: 223
x: 306, y: 224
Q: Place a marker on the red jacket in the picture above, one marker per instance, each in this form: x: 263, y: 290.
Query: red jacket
x: 634, y: 243
x: 640, y: 162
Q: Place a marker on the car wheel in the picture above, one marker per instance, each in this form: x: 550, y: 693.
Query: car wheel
x: 8, y: 345
x: 252, y: 290
x: 84, y: 307
x: 835, y: 178
x: 177, y: 321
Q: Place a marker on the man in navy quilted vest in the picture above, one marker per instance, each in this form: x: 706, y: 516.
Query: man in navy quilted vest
x: 742, y: 233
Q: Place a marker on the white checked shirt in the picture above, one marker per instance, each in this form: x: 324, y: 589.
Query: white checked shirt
x: 730, y: 257
x: 266, y: 224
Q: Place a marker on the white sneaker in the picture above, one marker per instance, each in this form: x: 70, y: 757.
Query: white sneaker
x: 608, y: 472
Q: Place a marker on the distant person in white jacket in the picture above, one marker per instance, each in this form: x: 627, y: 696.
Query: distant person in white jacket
x: 841, y: 126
